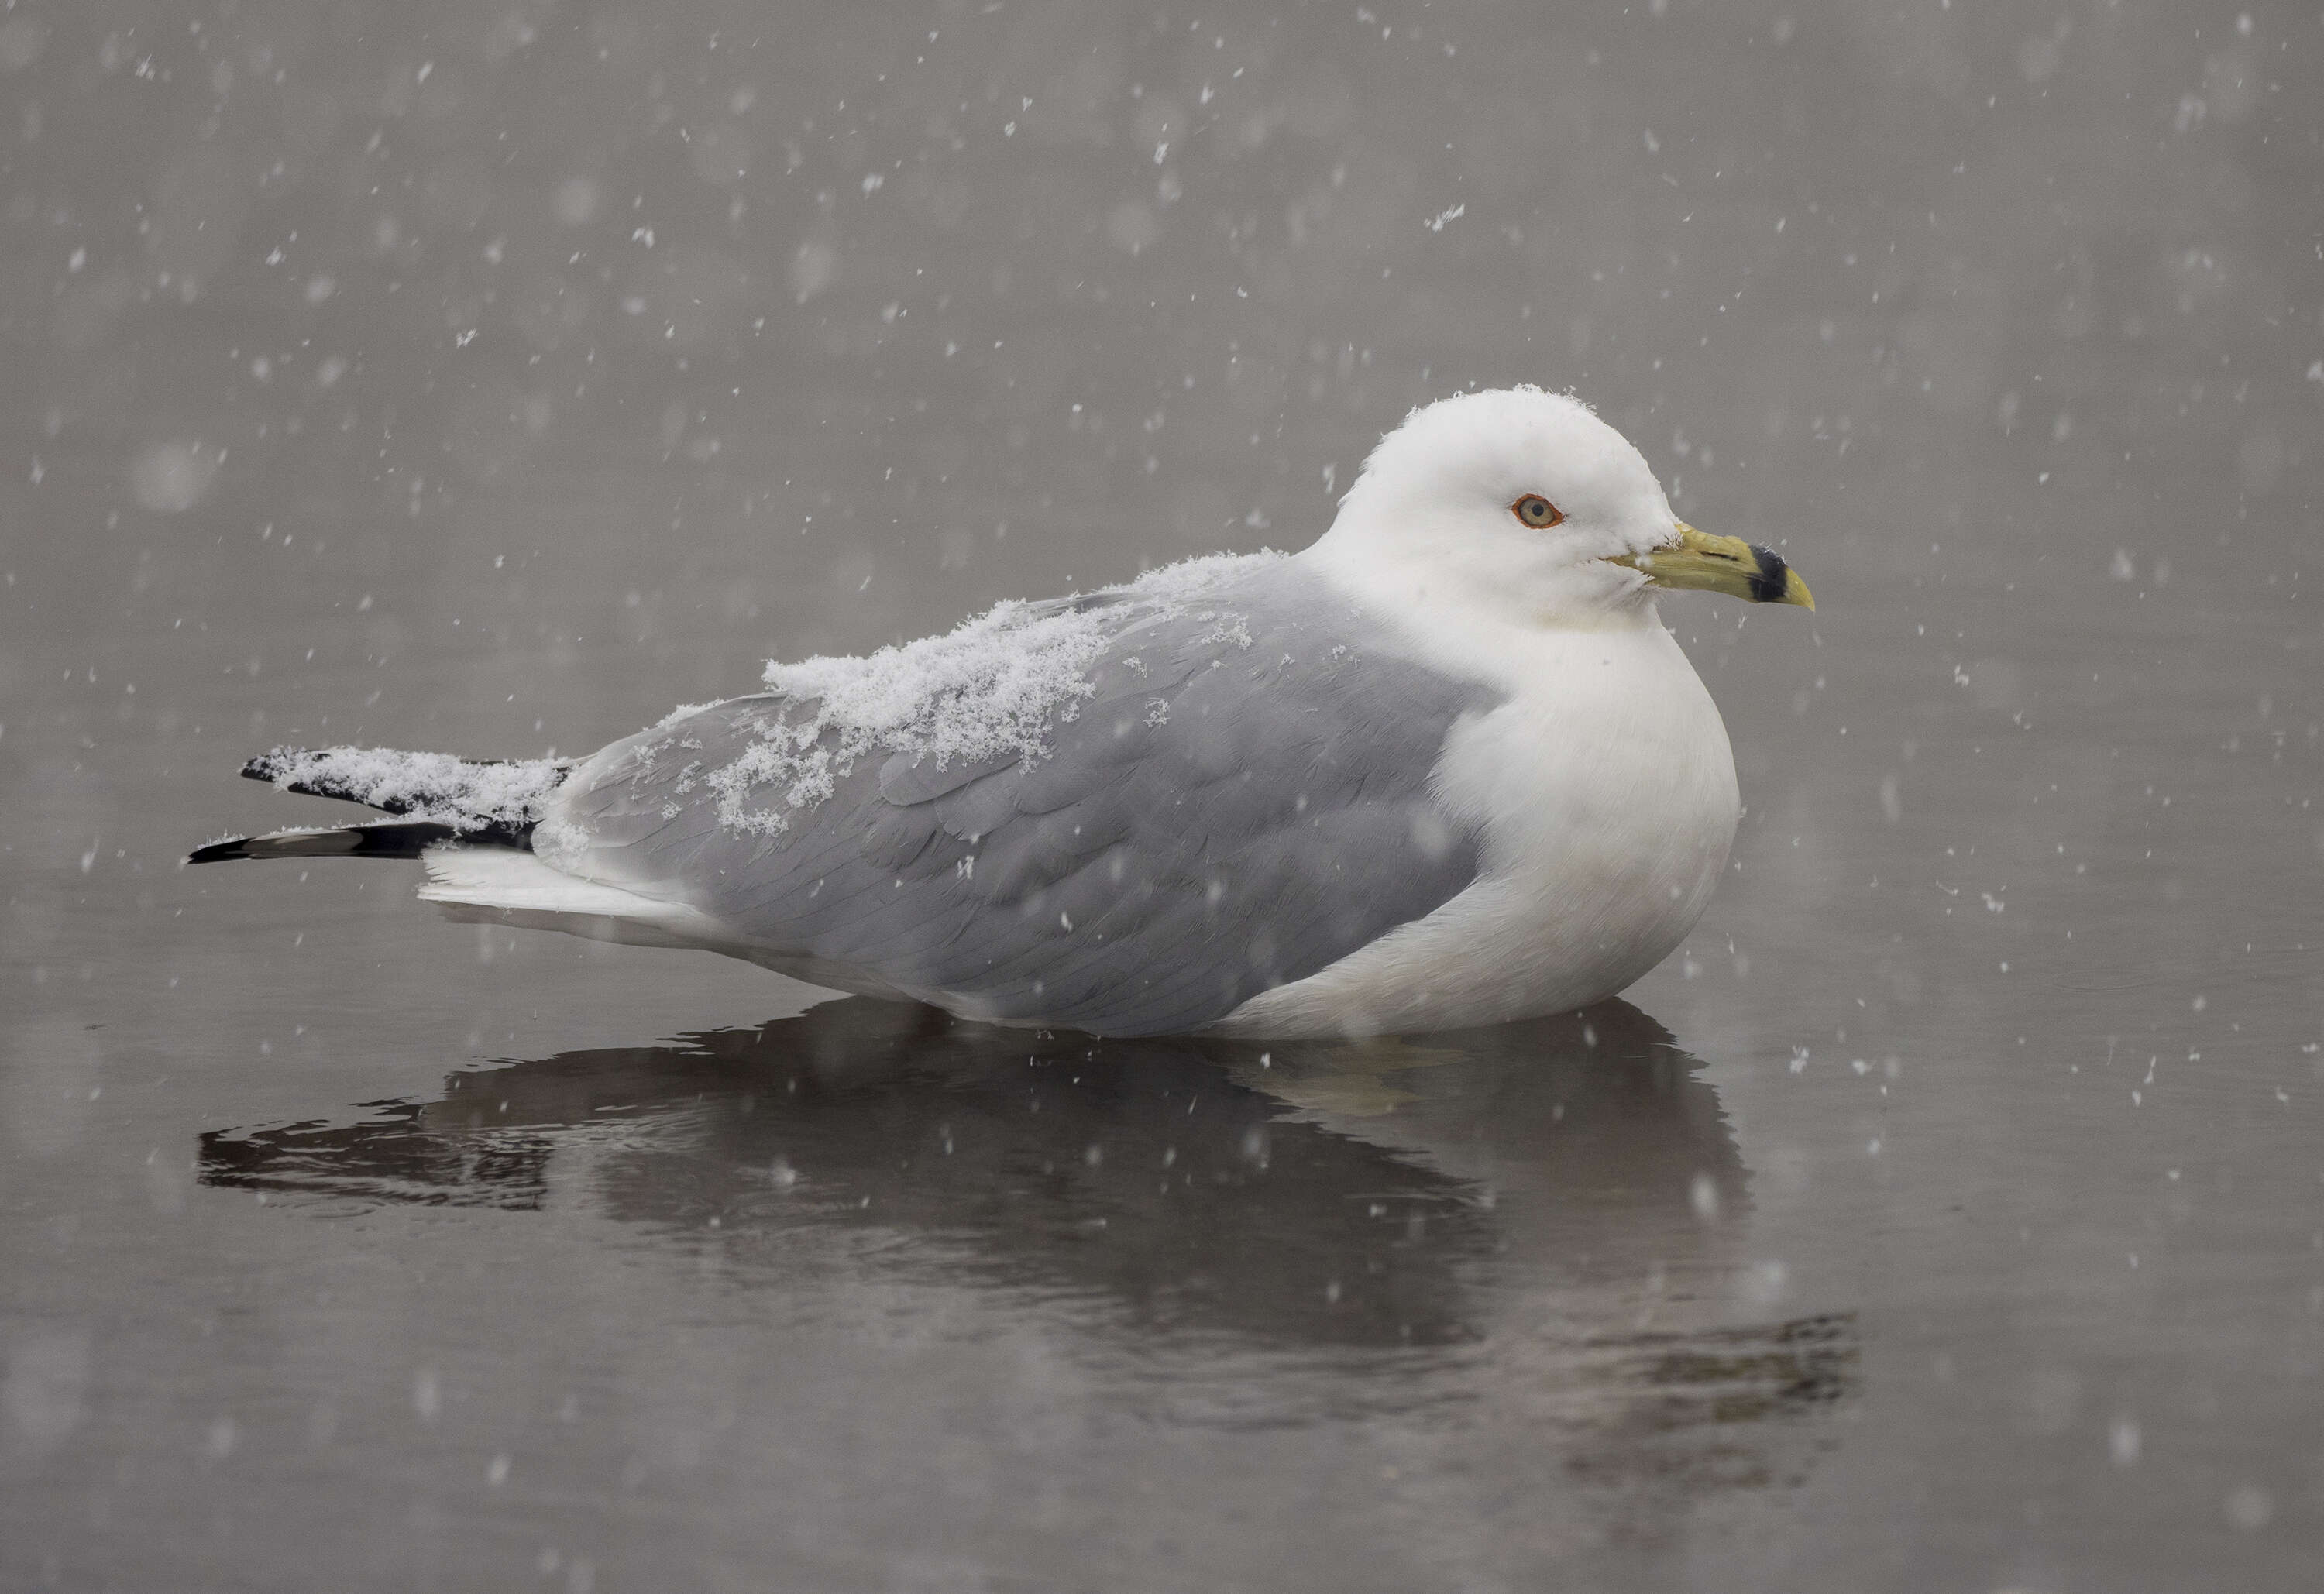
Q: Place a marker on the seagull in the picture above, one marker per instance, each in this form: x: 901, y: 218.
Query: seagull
x: 1445, y: 767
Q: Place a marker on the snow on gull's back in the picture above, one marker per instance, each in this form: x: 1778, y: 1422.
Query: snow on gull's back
x: 985, y: 690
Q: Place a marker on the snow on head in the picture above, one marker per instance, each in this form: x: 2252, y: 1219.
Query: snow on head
x: 986, y: 691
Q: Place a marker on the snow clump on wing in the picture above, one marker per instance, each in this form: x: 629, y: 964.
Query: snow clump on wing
x: 422, y: 786
x: 984, y: 691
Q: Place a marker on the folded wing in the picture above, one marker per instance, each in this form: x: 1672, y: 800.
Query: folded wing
x: 1241, y: 798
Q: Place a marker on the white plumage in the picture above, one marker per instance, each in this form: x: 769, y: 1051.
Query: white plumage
x: 1445, y: 767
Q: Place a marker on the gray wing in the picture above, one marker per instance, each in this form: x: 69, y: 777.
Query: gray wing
x: 1242, y: 802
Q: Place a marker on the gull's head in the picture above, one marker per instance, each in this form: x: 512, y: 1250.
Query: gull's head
x: 1525, y: 503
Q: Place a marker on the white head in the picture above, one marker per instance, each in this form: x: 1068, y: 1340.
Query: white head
x: 1514, y: 502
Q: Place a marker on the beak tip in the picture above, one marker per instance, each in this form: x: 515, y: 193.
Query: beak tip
x: 1721, y: 564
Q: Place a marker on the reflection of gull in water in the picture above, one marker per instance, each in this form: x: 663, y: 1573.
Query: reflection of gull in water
x: 1445, y: 767
x: 1560, y: 1198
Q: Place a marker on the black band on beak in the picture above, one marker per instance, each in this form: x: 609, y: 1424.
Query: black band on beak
x: 1768, y: 582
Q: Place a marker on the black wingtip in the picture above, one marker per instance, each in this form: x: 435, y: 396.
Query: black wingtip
x: 219, y: 852
x: 389, y: 838
x: 269, y: 766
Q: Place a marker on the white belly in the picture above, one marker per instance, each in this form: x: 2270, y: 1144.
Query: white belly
x: 1604, y: 790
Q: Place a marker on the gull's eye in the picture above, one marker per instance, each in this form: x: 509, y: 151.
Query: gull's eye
x: 1538, y: 511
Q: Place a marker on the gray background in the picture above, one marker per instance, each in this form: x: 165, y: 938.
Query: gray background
x: 491, y: 377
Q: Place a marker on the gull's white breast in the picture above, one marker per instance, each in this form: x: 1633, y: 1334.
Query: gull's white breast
x: 1604, y: 790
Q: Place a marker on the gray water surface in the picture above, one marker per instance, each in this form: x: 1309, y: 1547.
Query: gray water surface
x: 1948, y: 1213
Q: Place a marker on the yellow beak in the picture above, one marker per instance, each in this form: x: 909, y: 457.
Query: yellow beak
x: 1703, y: 563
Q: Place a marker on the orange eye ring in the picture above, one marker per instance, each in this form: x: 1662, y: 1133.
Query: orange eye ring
x: 1537, y: 511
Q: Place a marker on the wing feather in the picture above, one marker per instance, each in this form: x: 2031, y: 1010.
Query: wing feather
x: 1240, y: 798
